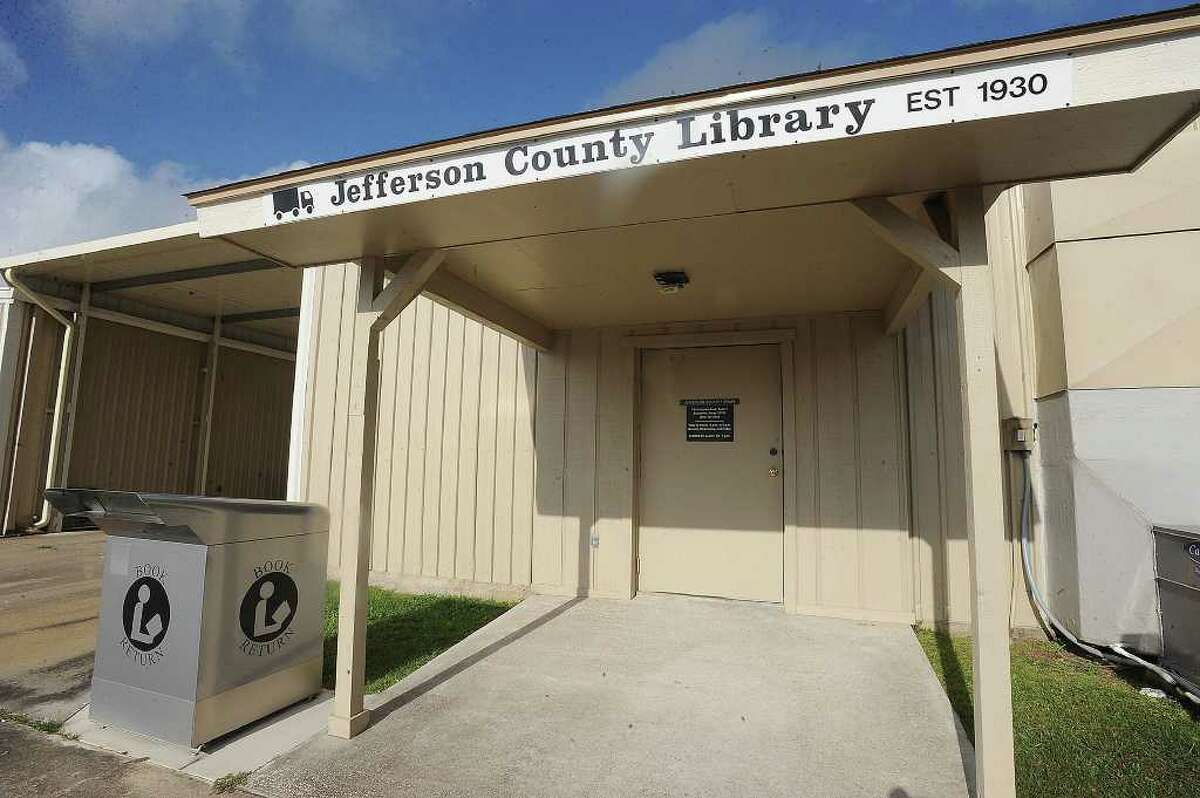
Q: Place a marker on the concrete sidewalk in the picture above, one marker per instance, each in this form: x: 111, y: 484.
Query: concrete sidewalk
x: 49, y: 600
x: 657, y: 696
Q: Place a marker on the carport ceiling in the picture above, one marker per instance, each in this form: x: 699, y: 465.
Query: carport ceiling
x: 173, y: 268
x: 229, y: 295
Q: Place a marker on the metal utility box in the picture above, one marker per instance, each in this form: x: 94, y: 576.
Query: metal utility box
x: 1177, y: 566
x: 211, y: 610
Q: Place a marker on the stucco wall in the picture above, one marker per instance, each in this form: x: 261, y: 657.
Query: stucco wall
x: 1116, y: 295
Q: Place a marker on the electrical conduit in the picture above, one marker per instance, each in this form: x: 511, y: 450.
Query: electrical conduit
x: 1119, y: 654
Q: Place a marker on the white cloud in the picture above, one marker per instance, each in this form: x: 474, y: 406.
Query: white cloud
x: 359, y: 35
x: 52, y: 194
x: 736, y: 49
x: 156, y: 21
x: 100, y: 27
x: 343, y: 32
x: 13, y: 71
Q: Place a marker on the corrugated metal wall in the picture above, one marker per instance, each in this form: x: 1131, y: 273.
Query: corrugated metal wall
x: 138, y: 422
x: 250, y: 422
x: 454, y: 473
x: 139, y: 410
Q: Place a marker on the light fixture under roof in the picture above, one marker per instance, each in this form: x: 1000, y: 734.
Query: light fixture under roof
x: 670, y: 282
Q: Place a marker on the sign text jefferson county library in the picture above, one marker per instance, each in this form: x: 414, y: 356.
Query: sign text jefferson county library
x: 1011, y: 89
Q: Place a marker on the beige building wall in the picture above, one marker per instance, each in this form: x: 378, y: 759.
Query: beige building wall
x: 1115, y: 270
x: 463, y: 504
x: 455, y: 469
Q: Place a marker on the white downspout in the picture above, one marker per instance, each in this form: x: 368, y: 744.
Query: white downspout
x: 60, y: 395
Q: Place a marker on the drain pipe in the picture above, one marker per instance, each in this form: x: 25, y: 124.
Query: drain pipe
x: 60, y: 395
x: 1120, y: 655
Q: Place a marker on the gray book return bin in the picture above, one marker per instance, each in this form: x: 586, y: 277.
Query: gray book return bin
x: 211, y: 610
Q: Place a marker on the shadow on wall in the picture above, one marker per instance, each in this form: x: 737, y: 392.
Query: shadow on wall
x: 851, y: 457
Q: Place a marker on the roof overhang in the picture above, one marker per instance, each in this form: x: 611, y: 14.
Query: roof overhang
x: 171, y: 269
x: 744, y: 187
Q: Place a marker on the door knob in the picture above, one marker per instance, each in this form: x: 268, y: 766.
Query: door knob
x: 773, y: 471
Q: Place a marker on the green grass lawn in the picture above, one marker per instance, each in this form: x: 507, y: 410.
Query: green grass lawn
x: 1080, y: 728
x: 405, y: 630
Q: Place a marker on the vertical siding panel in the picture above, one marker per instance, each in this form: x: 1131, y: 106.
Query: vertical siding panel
x: 580, y: 486
x: 448, y: 515
x: 485, y: 475
x: 838, y: 480
x: 312, y: 389
x: 381, y: 509
x: 139, y: 398
x: 925, y: 484
x: 614, y: 468
x: 402, y: 393
x: 883, y: 554
x: 352, y: 411
x: 523, y: 467
x: 505, y: 427
x: 320, y: 440
x: 806, y: 460
x: 435, y: 412
x: 342, y: 455
x: 549, y: 441
x: 468, y: 450
x: 951, y: 453
x: 415, y: 497
x: 251, y: 422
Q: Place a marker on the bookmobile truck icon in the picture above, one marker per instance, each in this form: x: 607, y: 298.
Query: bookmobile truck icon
x: 291, y: 200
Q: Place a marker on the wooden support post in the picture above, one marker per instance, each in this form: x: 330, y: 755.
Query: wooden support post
x: 376, y: 308
x: 989, y: 552
x: 204, y: 443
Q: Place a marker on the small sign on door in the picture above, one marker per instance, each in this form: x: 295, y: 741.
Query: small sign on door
x: 708, y: 420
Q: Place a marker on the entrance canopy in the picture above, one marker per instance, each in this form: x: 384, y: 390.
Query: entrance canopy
x: 562, y: 223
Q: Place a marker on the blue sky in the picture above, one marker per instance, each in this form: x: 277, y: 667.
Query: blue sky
x: 120, y: 105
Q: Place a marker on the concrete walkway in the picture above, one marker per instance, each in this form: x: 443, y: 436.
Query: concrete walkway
x: 654, y: 697
x: 49, y: 598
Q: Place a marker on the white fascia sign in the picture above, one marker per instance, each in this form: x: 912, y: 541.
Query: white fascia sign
x: 946, y: 98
